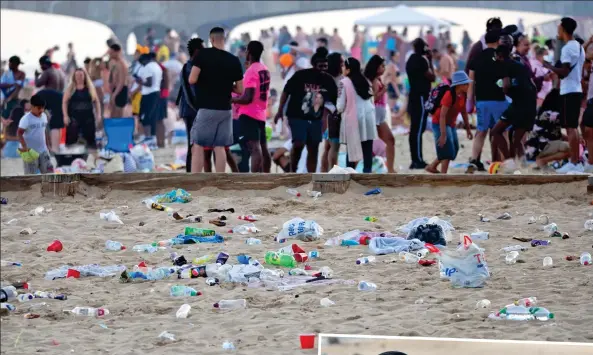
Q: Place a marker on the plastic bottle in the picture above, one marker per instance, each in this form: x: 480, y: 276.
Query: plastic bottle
x: 180, y: 291
x: 513, y: 312
x: 326, y: 302
x: 151, y: 204
x: 541, y: 313
x: 43, y: 294
x: 25, y: 297
x: 273, y: 258
x: 231, y: 304
x: 511, y: 257
x: 365, y: 260
x: 244, y: 229
x: 199, y: 232
x: 366, y: 286
x: 314, y: 194
x: 8, y: 306
x: 409, y: 258
x: 537, y: 242
x: 551, y: 228
x: 514, y: 248
x: 248, y: 218
x: 585, y: 259
x: 10, y: 263
x: 110, y: 217
x: 589, y: 225
x: 202, y: 260
x: 371, y: 219
x: 349, y: 243
x: 548, y: 262
x: 298, y: 272
x: 526, y: 302
x: 373, y: 192
x: 422, y: 253
x: 252, y: 241
x: 89, y: 311
x: 115, y: 246
x: 183, y: 311
x: 149, y: 248
x: 293, y: 192
x: 192, y: 273
x: 8, y: 293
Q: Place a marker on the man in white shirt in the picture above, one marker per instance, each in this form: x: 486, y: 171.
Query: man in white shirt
x: 572, y: 59
x: 149, y: 77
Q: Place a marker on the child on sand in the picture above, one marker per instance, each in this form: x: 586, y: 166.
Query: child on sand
x: 32, y: 134
x: 443, y: 122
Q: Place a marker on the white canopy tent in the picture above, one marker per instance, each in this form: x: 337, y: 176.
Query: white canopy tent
x: 402, y: 15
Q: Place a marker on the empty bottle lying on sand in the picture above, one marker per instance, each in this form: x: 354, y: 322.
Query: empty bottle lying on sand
x: 8, y: 293
x: 274, y: 258
x: 115, y: 246
x: 550, y: 228
x: 585, y: 259
x: 366, y: 286
x: 151, y: 204
x: 180, y: 291
x: 245, y: 229
x: 89, y: 311
x: 147, y: 273
x: 193, y: 272
x: 521, y: 313
x: 202, y: 260
x: 252, y: 241
x: 199, y: 232
x: 365, y: 260
x: 148, y: 248
x: 231, y: 304
x: 25, y: 297
x: 293, y: 192
x: 514, y: 248
x: 54, y: 296
x: 409, y: 258
x: 10, y: 263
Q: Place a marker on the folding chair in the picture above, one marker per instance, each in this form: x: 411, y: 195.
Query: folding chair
x: 119, y: 133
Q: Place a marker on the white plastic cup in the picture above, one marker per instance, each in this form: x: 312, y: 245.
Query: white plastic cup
x: 548, y: 262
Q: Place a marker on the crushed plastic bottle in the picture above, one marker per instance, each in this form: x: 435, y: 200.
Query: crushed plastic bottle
x: 512, y: 312
x: 89, y: 311
x: 231, y: 304
x: 274, y: 258
x: 589, y: 225
x: 293, y: 192
x: 326, y: 302
x: 115, y: 246
x: 181, y: 291
x: 183, y: 311
x: 514, y: 248
x: 110, y: 217
x: 166, y: 335
x: 511, y: 257
x: 409, y: 258
x: 371, y: 219
x: 551, y: 229
x: 365, y: 260
x: 50, y: 295
x: 548, y: 262
x: 366, y: 286
x: 245, y: 229
x: 146, y: 248
x: 585, y: 259
x: 252, y: 241
x: 202, y: 260
x: 298, y: 272
x: 541, y: 313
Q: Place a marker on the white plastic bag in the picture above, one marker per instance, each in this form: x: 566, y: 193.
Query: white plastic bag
x: 339, y: 170
x: 466, y: 266
x: 298, y: 228
x: 143, y: 156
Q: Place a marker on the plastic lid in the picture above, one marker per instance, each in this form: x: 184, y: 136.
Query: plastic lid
x: 216, y: 305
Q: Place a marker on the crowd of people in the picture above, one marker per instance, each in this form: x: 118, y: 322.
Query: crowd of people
x: 330, y: 95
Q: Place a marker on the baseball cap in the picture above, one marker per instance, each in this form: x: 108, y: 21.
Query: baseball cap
x: 15, y: 59
x: 45, y: 60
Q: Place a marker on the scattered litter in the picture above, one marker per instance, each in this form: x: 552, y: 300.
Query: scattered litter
x: 166, y: 335
x: 466, y: 266
x: 27, y: 231
x: 483, y: 218
x: 483, y: 304
x: 55, y: 246
x: 505, y: 216
x: 293, y: 192
x: 183, y: 311
x: 103, y: 326
x: 326, y: 302
x: 230, y: 210
x: 298, y: 228
x: 110, y: 217
x: 314, y: 194
x: 373, y: 192
x: 10, y: 263
x: 174, y: 196
x: 14, y: 220
x: 37, y: 211
x: 228, y: 345
x: 548, y: 262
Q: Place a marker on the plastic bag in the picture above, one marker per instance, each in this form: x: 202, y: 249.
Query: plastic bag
x: 428, y: 233
x: 445, y: 225
x: 298, y: 228
x: 339, y: 170
x: 143, y: 156
x: 466, y: 266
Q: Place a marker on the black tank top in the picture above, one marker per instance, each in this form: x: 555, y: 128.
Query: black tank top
x: 80, y: 105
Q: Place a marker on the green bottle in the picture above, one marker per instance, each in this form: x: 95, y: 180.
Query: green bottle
x: 199, y: 232
x: 285, y: 260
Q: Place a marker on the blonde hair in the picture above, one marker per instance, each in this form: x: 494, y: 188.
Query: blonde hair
x: 87, y: 84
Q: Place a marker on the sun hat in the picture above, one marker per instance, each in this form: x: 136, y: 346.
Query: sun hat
x: 460, y: 78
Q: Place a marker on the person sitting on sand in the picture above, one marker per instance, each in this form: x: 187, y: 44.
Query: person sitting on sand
x: 545, y: 142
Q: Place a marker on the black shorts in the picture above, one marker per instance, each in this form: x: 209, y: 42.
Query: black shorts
x: 570, y: 109
x: 588, y: 114
x: 56, y: 121
x: 333, y: 126
x: 149, y: 108
x: 162, y: 108
x: 237, y: 135
x: 121, y: 100
x: 82, y: 127
x: 521, y: 115
x: 252, y: 129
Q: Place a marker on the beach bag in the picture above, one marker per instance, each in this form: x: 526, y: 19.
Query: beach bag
x: 435, y: 97
x: 143, y: 157
x: 298, y: 228
x: 465, y: 266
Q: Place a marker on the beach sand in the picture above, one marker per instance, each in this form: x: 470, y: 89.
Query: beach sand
x: 273, y: 320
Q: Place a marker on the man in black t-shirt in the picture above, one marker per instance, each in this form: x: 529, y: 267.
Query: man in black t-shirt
x: 216, y: 74
x: 53, y: 105
x: 307, y: 125
x: 420, y: 75
x: 519, y: 86
x: 485, y: 70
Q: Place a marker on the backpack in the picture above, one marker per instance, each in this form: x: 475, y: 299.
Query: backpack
x: 435, y: 97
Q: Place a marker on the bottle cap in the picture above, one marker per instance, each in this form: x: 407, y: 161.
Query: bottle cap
x: 357, y: 262
x: 551, y: 316
x: 123, y: 247
x: 216, y: 305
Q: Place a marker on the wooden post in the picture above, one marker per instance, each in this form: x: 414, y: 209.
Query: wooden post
x: 331, y: 183
x: 590, y: 185
x: 60, y: 185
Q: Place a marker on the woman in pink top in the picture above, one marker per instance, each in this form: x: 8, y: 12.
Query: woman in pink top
x: 373, y: 72
x: 252, y: 108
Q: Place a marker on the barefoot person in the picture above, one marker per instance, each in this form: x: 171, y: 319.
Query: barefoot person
x: 443, y: 122
x: 252, y: 109
x: 117, y: 81
x: 216, y: 74
x: 32, y: 135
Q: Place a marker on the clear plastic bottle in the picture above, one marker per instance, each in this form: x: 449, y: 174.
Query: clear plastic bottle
x: 513, y: 312
x: 160, y: 273
x: 231, y: 304
x: 298, y: 272
x: 245, y: 229
x: 8, y: 293
x: 115, y: 246
x: 202, y: 260
x: 585, y: 259
x: 180, y: 291
x: 252, y: 241
x: 409, y: 258
x: 548, y: 262
x: 551, y: 228
x: 148, y: 248
x: 526, y: 302
x: 89, y: 311
x: 25, y: 297
x: 511, y: 257
x: 422, y: 253
x: 541, y: 313
x: 366, y: 286
x: 43, y: 294
x: 365, y: 260
x: 589, y: 225
x: 293, y: 192
x: 514, y: 248
x: 326, y: 302
x: 183, y: 311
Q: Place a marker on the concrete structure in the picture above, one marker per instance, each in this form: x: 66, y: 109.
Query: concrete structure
x: 124, y: 17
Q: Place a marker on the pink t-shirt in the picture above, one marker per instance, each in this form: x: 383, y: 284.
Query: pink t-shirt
x: 257, y: 76
x: 235, y: 107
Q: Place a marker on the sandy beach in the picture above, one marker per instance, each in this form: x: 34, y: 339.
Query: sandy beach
x: 273, y: 320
